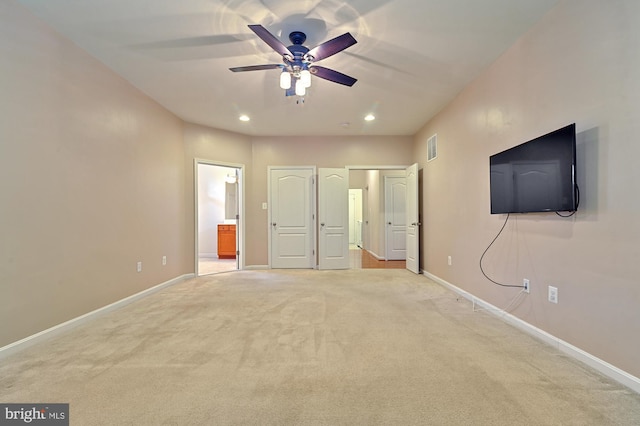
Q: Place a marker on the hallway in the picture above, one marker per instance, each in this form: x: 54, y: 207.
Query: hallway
x: 362, y: 259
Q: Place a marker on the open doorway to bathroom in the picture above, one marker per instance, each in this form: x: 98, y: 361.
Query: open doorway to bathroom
x: 218, y: 202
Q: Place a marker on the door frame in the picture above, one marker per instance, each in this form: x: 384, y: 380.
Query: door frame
x: 240, y: 227
x: 314, y: 193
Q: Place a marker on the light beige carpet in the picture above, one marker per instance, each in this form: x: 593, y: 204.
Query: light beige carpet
x: 356, y: 347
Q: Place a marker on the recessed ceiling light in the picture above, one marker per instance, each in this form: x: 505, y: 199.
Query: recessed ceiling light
x: 370, y: 117
x: 244, y: 118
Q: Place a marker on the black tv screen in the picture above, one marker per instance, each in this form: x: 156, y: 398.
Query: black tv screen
x: 536, y: 176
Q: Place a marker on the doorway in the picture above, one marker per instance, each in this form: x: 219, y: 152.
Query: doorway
x: 218, y: 227
x: 377, y: 237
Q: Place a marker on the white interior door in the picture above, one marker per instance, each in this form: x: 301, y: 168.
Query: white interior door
x: 291, y: 218
x: 355, y: 217
x: 333, y: 219
x: 352, y: 217
x: 413, y: 223
x: 395, y: 189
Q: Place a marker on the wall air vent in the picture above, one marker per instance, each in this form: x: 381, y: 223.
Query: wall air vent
x: 432, y: 147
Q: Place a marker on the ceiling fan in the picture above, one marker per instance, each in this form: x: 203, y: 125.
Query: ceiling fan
x: 299, y: 61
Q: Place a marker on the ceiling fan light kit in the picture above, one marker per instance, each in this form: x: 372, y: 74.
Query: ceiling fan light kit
x: 300, y: 89
x: 305, y: 78
x: 285, y: 80
x: 298, y: 60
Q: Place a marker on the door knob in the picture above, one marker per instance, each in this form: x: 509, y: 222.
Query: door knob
x: 273, y: 224
x: 388, y: 223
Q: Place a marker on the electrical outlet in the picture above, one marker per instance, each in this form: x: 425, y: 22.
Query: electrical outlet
x: 164, y: 260
x: 525, y: 286
x: 553, y: 294
x: 139, y: 267
x: 449, y: 260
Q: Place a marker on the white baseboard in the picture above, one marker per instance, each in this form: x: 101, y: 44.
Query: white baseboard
x: 256, y: 267
x: 611, y: 371
x: 14, y: 347
x: 376, y: 256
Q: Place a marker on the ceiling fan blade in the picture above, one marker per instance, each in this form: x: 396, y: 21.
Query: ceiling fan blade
x: 256, y: 67
x: 331, y: 47
x: 331, y: 75
x: 271, y: 40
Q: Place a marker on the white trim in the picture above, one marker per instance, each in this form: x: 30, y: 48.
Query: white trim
x: 375, y: 255
x: 256, y: 267
x: 592, y: 361
x: 56, y: 330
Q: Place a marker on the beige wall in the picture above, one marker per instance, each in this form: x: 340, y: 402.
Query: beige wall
x: 311, y: 151
x: 357, y: 179
x: 91, y: 182
x: 579, y: 64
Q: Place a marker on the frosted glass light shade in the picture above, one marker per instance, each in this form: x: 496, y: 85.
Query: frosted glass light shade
x: 300, y: 89
x: 305, y: 77
x: 285, y: 80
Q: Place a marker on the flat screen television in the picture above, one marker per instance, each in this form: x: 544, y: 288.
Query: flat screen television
x: 536, y: 176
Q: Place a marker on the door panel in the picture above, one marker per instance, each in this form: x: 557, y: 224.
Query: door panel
x: 291, y: 218
x: 333, y: 218
x: 413, y: 223
x: 395, y: 217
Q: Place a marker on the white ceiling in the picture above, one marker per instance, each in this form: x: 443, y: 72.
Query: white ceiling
x: 411, y: 59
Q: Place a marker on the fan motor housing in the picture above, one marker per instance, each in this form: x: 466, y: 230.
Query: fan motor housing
x: 298, y: 55
x: 297, y: 37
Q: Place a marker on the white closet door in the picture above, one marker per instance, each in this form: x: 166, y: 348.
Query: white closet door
x: 291, y: 218
x: 333, y: 218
